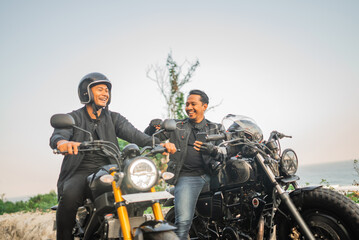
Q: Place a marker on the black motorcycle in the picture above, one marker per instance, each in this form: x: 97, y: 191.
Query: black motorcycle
x: 254, y: 194
x: 119, y: 193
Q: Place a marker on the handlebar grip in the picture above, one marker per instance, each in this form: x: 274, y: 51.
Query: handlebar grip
x: 215, y: 137
x: 158, y: 149
x: 80, y: 148
x: 281, y: 135
x: 57, y: 151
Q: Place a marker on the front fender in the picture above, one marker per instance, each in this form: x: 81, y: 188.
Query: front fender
x: 300, y: 191
x: 157, y: 226
x: 303, y: 189
x: 169, y: 203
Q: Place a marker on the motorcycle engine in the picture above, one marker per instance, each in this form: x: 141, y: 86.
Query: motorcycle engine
x: 230, y: 233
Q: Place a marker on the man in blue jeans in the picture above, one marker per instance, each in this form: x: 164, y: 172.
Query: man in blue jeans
x: 191, y: 163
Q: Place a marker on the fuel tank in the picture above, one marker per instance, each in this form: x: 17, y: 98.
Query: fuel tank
x: 96, y: 186
x: 234, y: 172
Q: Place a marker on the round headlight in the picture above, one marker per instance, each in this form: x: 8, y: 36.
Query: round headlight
x: 142, y: 174
x: 289, y: 162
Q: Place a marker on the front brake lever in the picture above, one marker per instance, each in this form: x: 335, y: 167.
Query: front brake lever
x: 158, y: 149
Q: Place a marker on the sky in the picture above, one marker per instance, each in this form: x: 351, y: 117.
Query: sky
x: 292, y: 66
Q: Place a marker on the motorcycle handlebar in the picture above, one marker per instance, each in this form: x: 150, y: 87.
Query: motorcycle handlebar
x: 281, y: 135
x: 80, y: 148
x: 158, y: 149
x: 215, y: 137
x: 57, y: 151
x: 85, y: 146
x: 277, y: 135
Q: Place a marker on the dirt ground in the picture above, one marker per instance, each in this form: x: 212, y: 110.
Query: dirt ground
x: 31, y: 226
x: 27, y: 226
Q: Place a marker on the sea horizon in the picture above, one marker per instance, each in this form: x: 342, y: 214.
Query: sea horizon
x: 340, y: 173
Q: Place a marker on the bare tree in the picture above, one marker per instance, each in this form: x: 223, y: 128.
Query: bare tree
x: 170, y: 80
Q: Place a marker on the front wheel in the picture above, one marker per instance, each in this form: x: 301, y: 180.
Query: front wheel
x: 329, y: 215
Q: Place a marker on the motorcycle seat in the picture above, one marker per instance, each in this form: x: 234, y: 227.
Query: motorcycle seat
x: 206, y: 188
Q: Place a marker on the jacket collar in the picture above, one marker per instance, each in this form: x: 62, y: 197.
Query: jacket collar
x: 200, y: 125
x: 94, y: 120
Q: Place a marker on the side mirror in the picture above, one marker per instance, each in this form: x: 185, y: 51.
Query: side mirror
x: 169, y: 125
x: 66, y: 121
x: 62, y: 121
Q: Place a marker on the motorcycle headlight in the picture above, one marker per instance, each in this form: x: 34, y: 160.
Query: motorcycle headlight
x: 141, y: 174
x: 289, y: 162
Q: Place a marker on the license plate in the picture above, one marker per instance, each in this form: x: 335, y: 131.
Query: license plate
x: 143, y: 197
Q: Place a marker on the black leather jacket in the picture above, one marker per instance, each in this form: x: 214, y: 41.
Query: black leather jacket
x: 179, y: 137
x: 110, y: 126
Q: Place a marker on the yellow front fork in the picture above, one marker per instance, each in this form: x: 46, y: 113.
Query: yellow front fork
x: 122, y: 211
x: 123, y: 214
x: 156, y: 208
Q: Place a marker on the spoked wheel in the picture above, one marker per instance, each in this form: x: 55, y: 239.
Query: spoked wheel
x: 329, y: 215
x: 324, y: 226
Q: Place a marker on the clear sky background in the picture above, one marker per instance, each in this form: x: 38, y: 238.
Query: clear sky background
x: 290, y: 65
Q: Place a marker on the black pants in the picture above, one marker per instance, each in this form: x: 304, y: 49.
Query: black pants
x: 71, y: 199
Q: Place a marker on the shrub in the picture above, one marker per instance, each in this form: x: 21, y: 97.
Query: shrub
x: 40, y: 202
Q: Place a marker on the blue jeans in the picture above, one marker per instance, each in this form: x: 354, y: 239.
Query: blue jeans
x: 186, y: 194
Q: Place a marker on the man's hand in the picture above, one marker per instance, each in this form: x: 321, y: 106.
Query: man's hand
x: 68, y: 147
x: 170, y: 147
x: 156, y: 123
x: 206, y: 148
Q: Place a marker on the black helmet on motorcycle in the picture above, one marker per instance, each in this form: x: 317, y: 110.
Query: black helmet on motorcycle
x: 238, y: 123
x: 89, y: 81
